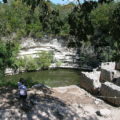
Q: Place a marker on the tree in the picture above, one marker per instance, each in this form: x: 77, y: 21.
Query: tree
x: 101, y: 38
x: 79, y: 21
x: 115, y: 29
x: 8, y: 52
x: 5, y: 1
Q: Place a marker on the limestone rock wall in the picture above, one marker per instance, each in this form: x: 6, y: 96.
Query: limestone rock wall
x: 68, y: 57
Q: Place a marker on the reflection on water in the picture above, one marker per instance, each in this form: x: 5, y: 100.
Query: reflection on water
x: 53, y: 78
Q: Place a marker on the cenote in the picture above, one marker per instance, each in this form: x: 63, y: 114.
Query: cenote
x: 52, y: 78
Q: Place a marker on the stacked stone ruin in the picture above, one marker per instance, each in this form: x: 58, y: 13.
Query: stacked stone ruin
x: 104, y: 82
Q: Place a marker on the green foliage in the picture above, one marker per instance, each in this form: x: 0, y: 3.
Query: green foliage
x: 80, y: 22
x: 96, y: 22
x: 33, y: 18
x: 20, y: 63
x: 8, y: 53
x: 100, y: 16
x: 12, y: 17
x: 31, y: 64
x: 27, y: 63
x: 99, y: 24
x: 58, y: 63
x: 115, y: 30
x: 45, y: 59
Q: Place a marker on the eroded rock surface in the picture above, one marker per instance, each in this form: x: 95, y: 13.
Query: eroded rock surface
x: 90, y: 81
x: 64, y: 103
x: 111, y: 93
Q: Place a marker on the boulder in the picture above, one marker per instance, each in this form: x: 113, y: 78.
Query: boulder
x: 106, y: 75
x: 90, y: 81
x: 111, y: 93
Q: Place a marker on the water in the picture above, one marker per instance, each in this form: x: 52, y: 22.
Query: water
x: 53, y: 78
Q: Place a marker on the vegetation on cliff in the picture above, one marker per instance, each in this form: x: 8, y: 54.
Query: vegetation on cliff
x: 92, y: 23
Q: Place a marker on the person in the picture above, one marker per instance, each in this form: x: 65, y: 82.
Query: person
x: 22, y: 89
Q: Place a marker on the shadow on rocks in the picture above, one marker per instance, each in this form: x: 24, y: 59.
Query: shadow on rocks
x: 46, y: 107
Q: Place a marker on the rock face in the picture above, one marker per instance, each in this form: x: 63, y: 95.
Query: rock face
x: 65, y: 103
x: 68, y: 57
x: 58, y: 46
x: 90, y: 81
x: 111, y: 93
x: 49, y: 107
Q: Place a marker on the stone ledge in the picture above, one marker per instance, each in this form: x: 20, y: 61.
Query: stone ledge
x: 111, y: 93
x: 90, y: 81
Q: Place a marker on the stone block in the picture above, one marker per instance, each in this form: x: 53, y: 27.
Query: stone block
x: 106, y: 75
x: 111, y: 93
x: 90, y: 81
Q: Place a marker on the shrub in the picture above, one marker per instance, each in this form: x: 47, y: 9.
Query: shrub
x: 45, y: 59
x: 20, y: 63
x: 31, y: 64
x: 58, y: 63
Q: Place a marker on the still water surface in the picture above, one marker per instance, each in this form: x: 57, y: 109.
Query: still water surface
x: 53, y: 78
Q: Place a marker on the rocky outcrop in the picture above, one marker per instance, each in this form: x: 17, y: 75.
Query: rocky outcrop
x: 68, y: 57
x: 111, y: 93
x: 65, y: 103
x: 58, y: 47
x: 90, y: 81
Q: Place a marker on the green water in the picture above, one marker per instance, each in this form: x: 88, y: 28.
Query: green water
x: 53, y: 78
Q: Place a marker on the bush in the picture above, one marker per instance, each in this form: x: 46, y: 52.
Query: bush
x: 8, y: 53
x: 45, y: 59
x: 31, y: 64
x: 58, y: 63
x: 20, y: 63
